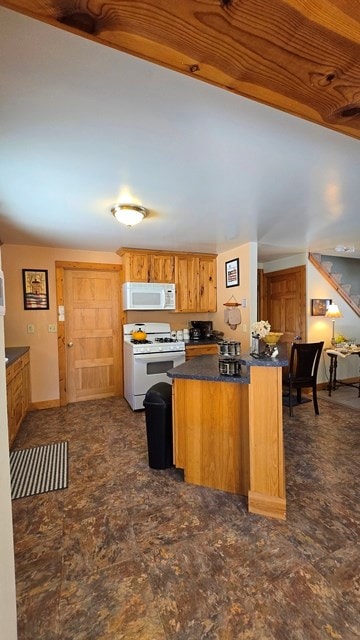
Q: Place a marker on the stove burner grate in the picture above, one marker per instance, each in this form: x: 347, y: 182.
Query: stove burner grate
x: 140, y: 341
x: 165, y: 340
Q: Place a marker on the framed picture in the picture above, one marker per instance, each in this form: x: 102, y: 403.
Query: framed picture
x: 319, y: 306
x: 232, y: 274
x: 36, y: 290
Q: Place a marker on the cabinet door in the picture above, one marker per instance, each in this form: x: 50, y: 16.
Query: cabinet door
x: 162, y: 268
x: 192, y: 351
x: 17, y: 401
x: 136, y: 267
x: 25, y: 388
x: 207, y: 285
x: 186, y: 279
x: 10, y: 412
x: 18, y: 394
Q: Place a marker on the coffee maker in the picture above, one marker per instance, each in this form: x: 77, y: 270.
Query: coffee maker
x: 200, y: 329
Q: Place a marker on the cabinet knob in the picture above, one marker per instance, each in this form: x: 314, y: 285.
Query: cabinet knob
x: 70, y: 344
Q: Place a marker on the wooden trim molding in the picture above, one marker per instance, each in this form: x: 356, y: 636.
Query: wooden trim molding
x: 45, y: 404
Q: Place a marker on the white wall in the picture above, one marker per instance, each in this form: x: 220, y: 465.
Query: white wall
x: 7, y: 568
x: 285, y: 263
x: 43, y: 345
x: 247, y: 290
x: 320, y: 328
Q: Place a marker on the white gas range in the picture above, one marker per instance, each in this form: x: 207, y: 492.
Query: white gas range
x: 146, y: 362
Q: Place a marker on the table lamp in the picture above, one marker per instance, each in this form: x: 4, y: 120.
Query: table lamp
x: 333, y: 312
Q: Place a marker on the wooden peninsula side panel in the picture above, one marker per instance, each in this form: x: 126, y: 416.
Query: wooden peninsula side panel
x: 211, y: 436
x: 266, y: 447
x: 228, y: 432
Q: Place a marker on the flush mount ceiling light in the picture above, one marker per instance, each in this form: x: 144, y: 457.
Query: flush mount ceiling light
x: 129, y: 214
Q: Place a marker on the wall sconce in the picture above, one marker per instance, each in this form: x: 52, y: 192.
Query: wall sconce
x: 333, y: 312
x: 129, y: 214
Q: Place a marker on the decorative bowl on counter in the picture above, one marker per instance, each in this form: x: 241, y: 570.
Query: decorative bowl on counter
x: 272, y: 337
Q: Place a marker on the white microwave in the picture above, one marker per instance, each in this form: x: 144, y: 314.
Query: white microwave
x: 148, y: 296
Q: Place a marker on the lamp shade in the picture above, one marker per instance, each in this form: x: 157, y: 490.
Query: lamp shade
x: 129, y: 214
x: 333, y: 311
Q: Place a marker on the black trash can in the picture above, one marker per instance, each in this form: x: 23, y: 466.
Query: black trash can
x: 158, y: 417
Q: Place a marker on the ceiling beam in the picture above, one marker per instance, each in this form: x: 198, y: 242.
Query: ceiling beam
x: 300, y: 56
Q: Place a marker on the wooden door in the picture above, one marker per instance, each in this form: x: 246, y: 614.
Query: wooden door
x: 285, y: 303
x: 92, y: 334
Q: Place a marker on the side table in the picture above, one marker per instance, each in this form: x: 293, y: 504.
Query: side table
x: 333, y: 381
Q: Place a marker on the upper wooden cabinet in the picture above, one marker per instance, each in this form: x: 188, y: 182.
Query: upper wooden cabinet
x: 162, y: 268
x: 207, y: 283
x: 146, y: 266
x: 193, y: 273
x: 186, y: 275
x: 195, y: 278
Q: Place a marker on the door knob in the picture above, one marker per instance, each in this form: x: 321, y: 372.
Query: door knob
x: 70, y: 344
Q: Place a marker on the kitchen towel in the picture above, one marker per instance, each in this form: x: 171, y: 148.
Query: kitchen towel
x: 232, y: 317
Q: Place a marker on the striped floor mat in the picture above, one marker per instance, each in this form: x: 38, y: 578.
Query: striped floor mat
x: 38, y: 469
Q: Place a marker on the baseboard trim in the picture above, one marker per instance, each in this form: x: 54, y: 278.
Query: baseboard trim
x: 266, y: 505
x: 44, y: 404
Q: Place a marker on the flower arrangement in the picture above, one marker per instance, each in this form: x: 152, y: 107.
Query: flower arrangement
x: 260, y: 329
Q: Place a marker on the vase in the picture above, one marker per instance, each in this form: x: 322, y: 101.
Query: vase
x: 255, y: 345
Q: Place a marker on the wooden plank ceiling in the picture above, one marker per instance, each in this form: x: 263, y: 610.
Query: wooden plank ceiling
x: 300, y: 56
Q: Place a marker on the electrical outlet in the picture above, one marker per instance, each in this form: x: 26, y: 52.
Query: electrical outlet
x: 52, y: 328
x: 244, y: 303
x: 31, y: 328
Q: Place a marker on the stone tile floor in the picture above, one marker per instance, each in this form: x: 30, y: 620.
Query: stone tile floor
x: 130, y: 553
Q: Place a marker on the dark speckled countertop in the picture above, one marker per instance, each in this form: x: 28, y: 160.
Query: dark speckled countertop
x: 13, y: 353
x: 207, y: 368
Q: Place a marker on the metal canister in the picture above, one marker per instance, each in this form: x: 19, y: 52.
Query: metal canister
x: 223, y: 348
x: 229, y: 366
x: 234, y: 348
x: 229, y: 348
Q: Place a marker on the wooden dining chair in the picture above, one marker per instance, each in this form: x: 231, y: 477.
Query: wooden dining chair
x: 303, y: 368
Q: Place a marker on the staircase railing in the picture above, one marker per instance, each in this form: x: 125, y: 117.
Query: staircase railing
x: 334, y: 283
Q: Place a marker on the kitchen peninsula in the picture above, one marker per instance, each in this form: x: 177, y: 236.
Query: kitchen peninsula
x: 228, y: 430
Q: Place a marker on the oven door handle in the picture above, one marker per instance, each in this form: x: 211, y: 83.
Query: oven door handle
x: 160, y: 355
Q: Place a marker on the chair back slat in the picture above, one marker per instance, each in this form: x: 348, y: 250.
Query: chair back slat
x: 303, y: 368
x: 305, y: 359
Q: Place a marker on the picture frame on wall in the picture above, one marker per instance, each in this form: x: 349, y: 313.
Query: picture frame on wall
x: 319, y: 306
x: 36, y: 289
x: 232, y: 273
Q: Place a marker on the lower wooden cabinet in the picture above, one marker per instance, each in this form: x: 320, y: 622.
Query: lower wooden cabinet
x: 193, y: 350
x: 18, y: 393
